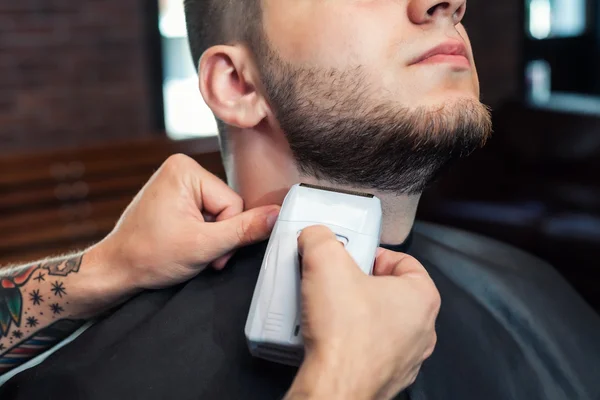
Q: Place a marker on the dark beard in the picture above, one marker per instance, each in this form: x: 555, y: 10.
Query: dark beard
x: 339, y: 134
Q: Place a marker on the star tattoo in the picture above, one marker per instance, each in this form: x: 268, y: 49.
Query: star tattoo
x: 40, y: 277
x: 35, y: 297
x: 32, y: 322
x: 2, y: 348
x: 17, y: 334
x: 58, y: 289
x: 56, y: 308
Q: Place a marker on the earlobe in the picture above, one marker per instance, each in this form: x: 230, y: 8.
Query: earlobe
x: 228, y: 83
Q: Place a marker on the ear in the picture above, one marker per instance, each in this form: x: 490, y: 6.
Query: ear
x: 229, y: 82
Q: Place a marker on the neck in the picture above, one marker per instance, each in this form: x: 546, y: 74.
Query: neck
x: 261, y: 169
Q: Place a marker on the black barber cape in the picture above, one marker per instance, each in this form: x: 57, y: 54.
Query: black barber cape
x: 509, y: 328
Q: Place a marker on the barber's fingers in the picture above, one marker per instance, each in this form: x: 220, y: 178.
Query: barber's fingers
x: 228, y: 213
x: 216, y: 197
x: 216, y: 203
x: 400, y: 265
x: 210, y: 194
x: 221, y: 262
x: 322, y: 253
x: 397, y: 264
x: 432, y: 343
x: 222, y: 237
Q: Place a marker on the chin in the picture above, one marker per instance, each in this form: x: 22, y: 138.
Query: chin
x: 451, y: 96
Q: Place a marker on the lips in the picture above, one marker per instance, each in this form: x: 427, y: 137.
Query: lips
x: 451, y: 50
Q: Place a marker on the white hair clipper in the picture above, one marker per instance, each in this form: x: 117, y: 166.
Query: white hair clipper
x: 273, y: 327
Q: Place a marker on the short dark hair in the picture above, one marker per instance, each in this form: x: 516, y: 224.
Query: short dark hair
x: 215, y: 22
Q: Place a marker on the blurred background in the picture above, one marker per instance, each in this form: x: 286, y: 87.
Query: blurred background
x: 95, y: 94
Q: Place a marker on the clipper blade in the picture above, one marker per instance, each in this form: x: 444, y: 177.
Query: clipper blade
x: 353, y: 193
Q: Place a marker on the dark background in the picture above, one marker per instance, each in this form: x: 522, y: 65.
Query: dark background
x: 81, y: 129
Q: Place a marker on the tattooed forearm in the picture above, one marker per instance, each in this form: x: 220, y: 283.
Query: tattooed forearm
x: 37, y: 343
x: 60, y: 266
x: 63, y: 268
x: 33, y: 298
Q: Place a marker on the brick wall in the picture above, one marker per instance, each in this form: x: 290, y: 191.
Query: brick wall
x: 71, y: 73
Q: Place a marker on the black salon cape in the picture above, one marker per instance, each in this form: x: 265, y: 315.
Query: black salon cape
x: 509, y: 328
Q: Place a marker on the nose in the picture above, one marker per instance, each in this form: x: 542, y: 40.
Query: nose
x: 432, y: 11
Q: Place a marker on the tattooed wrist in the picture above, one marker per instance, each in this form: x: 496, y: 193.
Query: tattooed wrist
x: 37, y: 297
x: 63, y: 267
x: 33, y: 298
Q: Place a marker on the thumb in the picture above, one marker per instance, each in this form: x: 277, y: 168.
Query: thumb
x: 390, y: 263
x: 323, y: 255
x: 249, y: 227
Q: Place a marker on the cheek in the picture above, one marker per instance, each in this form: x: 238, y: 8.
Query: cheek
x: 331, y: 36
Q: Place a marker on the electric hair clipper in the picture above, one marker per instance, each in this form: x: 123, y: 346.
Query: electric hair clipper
x: 273, y: 328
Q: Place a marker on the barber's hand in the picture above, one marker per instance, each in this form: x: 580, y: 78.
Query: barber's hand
x: 165, y: 237
x: 365, y: 336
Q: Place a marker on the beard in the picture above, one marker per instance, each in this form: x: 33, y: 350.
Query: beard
x: 339, y: 131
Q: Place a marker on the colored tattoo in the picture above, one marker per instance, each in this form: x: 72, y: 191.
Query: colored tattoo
x: 11, y: 299
x: 25, y: 331
x: 36, y: 344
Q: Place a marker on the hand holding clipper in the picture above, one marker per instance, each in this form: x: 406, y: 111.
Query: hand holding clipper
x: 273, y: 328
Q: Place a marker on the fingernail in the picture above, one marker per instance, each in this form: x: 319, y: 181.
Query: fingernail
x: 272, y: 218
x: 380, y: 251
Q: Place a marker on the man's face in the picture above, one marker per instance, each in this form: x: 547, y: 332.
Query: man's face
x: 359, y: 100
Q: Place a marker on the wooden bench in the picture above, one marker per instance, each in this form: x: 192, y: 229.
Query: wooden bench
x: 65, y: 200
